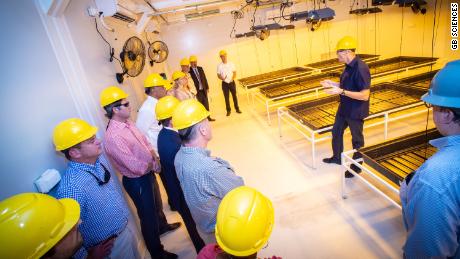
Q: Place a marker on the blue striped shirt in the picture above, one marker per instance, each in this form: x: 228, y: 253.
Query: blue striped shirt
x: 431, y: 204
x: 104, y: 211
x: 205, y: 180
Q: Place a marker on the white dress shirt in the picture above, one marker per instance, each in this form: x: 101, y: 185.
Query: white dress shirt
x: 226, y: 71
x: 147, y: 121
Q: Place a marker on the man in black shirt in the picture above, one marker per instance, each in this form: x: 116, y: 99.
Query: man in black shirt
x: 354, y: 94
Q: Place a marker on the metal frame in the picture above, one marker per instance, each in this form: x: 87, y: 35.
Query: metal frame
x: 296, y: 97
x: 248, y: 89
x: 279, y: 79
x: 347, y: 161
x: 274, y: 102
x: 284, y: 99
x: 313, y: 71
x: 311, y: 134
x: 339, y: 65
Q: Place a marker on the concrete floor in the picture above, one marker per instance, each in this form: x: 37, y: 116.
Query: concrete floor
x: 311, y: 218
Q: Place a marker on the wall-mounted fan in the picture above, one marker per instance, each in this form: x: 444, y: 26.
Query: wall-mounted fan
x: 132, y: 58
x: 158, y: 52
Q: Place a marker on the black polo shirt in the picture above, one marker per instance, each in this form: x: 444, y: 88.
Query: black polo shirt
x: 355, y: 77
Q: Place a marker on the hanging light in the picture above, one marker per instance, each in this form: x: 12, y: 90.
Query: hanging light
x: 417, y: 6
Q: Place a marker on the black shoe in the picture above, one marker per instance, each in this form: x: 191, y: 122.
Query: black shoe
x: 238, y: 111
x: 348, y: 174
x: 355, y: 168
x: 228, y: 113
x: 170, y: 227
x: 331, y: 160
x: 168, y: 255
x: 211, y: 119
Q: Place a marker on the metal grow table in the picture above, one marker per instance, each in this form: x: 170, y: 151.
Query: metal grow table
x: 308, y: 87
x: 391, y: 160
x: 314, y: 118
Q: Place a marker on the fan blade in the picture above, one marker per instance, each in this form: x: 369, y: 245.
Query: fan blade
x: 137, y: 67
x: 158, y: 51
x: 128, y: 63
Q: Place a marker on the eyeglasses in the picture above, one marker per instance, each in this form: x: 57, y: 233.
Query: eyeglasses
x: 91, y: 140
x: 106, y: 176
x: 123, y: 104
x: 428, y: 105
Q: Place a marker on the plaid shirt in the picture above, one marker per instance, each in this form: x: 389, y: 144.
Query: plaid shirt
x: 128, y: 149
x: 205, y: 180
x: 104, y: 211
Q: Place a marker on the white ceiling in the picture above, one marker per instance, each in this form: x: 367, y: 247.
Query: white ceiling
x: 172, y: 4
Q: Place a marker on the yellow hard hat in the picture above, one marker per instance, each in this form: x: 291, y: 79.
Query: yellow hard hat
x: 154, y: 80
x: 72, y: 131
x: 177, y: 74
x: 184, y: 62
x: 188, y: 113
x: 111, y: 94
x: 165, y: 107
x: 245, y: 221
x: 193, y: 58
x: 222, y: 53
x: 346, y: 42
x: 32, y: 223
x: 168, y: 84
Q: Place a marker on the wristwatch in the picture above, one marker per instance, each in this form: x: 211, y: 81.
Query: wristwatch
x: 343, y: 92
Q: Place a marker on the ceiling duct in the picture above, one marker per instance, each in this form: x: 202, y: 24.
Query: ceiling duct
x: 194, y: 7
x: 197, y: 15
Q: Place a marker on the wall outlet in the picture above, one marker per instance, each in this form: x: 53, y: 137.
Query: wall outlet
x: 47, y: 180
x: 92, y: 12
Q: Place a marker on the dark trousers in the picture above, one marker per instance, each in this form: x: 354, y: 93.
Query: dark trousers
x: 357, y: 138
x: 190, y: 224
x: 230, y: 88
x: 168, y: 192
x: 162, y: 223
x: 141, y: 191
x: 202, y: 97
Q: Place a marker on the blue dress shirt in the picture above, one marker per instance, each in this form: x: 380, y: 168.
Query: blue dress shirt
x: 204, y: 180
x: 431, y: 204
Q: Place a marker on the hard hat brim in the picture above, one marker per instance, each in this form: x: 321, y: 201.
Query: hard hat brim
x: 90, y: 133
x: 194, y: 122
x: 121, y: 97
x: 452, y: 102
x: 72, y: 216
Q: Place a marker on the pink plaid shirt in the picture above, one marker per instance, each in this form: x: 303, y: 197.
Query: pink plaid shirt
x: 128, y: 149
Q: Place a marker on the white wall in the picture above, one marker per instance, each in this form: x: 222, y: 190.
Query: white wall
x: 395, y: 31
x: 38, y: 90
x: 32, y: 89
